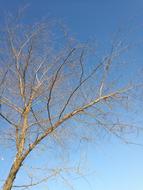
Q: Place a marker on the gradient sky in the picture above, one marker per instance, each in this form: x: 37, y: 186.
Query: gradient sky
x: 117, y: 166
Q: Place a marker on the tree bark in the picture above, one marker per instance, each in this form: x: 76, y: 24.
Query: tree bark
x: 12, y: 174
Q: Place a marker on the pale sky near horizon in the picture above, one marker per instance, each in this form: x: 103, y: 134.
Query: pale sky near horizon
x: 116, y: 166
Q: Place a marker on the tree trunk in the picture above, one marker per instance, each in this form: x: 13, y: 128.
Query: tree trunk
x: 12, y: 174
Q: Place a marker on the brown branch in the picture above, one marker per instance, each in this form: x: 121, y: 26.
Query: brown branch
x: 6, y: 119
x: 79, y: 85
x: 10, y: 104
x: 70, y: 115
x: 37, y: 121
x: 54, y: 81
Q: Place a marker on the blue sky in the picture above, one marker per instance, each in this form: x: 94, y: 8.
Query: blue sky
x: 117, y: 166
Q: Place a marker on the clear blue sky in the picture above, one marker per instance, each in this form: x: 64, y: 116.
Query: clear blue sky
x: 117, y: 166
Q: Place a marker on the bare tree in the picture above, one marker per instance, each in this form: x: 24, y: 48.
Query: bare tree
x: 47, y: 82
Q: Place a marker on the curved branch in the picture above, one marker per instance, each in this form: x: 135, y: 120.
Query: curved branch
x: 70, y: 115
x: 54, y: 81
